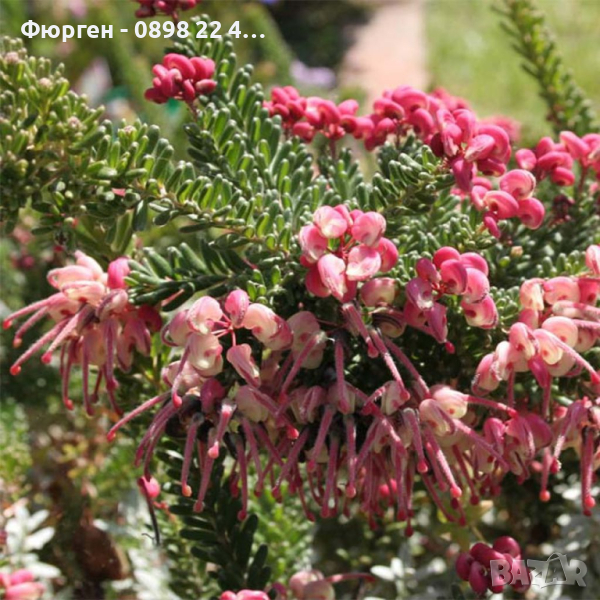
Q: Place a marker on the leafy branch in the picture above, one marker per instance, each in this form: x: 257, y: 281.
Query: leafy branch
x: 568, y: 108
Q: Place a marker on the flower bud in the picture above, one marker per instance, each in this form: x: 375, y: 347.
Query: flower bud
x: 203, y: 313
x: 561, y: 288
x: 531, y: 213
x: 313, y: 244
x: 240, y: 357
x: 526, y: 159
x: 381, y: 290
x: 332, y: 271
x: 531, y: 294
x: 454, y: 276
x: 501, y: 204
x: 388, y: 253
x: 518, y: 183
x: 236, y: 305
x: 331, y: 224
x: 363, y: 263
x: 368, y: 228
x: 592, y: 259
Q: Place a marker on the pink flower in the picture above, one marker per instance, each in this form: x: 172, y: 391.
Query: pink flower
x: 305, y: 327
x: 363, y: 263
x: 313, y: 243
x: 379, y: 291
x: 236, y: 305
x: 20, y: 585
x: 240, y: 357
x: 202, y: 315
x: 518, y: 183
x: 267, y: 327
x: 150, y: 8
x: 330, y: 223
x: 244, y: 595
x: 181, y: 78
x: 149, y: 487
x: 332, y: 271
x: 95, y: 325
x: 592, y: 259
x: 368, y: 228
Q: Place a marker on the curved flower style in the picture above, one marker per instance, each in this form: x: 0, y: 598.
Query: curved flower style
x: 559, y: 322
x: 181, y: 78
x: 95, y: 325
x: 325, y: 433
x: 151, y: 8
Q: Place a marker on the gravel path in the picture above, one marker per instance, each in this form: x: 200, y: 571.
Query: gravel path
x: 389, y: 50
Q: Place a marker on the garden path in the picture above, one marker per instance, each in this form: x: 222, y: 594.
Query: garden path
x: 389, y: 50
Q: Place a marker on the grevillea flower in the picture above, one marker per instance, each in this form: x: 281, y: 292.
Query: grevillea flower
x: 20, y: 585
x: 181, y: 78
x: 95, y: 325
x: 475, y: 567
x: 151, y: 8
x: 288, y: 104
x: 342, y: 248
x: 449, y: 273
x: 309, y: 433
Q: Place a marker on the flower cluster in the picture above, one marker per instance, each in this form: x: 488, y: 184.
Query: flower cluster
x: 449, y: 272
x: 474, y: 567
x: 305, y: 117
x: 181, y: 78
x: 556, y: 160
x: 472, y: 149
x: 20, y: 585
x: 95, y: 325
x: 343, y: 247
x: 304, y: 585
x: 341, y: 441
x: 151, y: 8
x: 514, y: 199
x: 559, y: 322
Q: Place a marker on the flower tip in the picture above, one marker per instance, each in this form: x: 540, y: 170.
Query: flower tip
x: 198, y: 506
x: 17, y: 342
x: 7, y: 324
x: 350, y: 491
x: 111, y: 435
x: 213, y: 451
x: 47, y: 358
x: 589, y: 502
x: 15, y: 370
x: 242, y: 514
x: 176, y: 399
x: 544, y: 496
x: 450, y: 349
x: 186, y: 490
x: 422, y: 467
x: 68, y: 404
x: 455, y: 491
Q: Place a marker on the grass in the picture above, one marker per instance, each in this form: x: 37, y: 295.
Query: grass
x: 471, y: 56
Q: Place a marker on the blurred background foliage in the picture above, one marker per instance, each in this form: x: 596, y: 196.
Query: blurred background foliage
x: 58, y: 461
